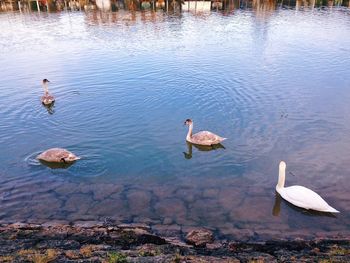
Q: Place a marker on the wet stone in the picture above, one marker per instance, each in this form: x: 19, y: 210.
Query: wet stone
x: 134, y: 225
x: 19, y: 225
x: 237, y: 234
x: 210, y: 259
x: 70, y: 243
x: 199, y: 237
x: 55, y: 223
x: 148, y: 250
x: 213, y: 246
x: 72, y: 254
x: 88, y: 224
x: 154, y: 220
x: 167, y: 230
x: 168, y: 221
x: 80, y: 216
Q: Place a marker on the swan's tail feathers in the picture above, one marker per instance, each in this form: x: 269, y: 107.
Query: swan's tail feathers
x: 332, y: 210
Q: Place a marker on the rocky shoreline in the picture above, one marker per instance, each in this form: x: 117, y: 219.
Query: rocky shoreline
x: 105, y: 242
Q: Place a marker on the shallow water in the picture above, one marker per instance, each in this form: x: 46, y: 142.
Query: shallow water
x: 276, y: 84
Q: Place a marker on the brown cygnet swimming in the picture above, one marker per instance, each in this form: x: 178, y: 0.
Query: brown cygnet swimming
x: 202, y: 137
x: 47, y: 98
x: 57, y: 155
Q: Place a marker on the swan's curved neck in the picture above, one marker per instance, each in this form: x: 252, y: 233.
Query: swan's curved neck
x: 189, y: 134
x: 281, y: 177
x: 46, y: 88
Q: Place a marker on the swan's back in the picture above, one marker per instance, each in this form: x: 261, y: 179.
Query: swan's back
x: 53, y: 155
x: 306, y: 198
x: 206, y: 138
x: 56, y: 155
x: 47, y: 99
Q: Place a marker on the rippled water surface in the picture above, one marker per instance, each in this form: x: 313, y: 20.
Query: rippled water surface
x: 276, y: 84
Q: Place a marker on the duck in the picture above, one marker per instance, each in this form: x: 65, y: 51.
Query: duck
x: 203, y: 137
x: 47, y: 99
x: 57, y: 155
x: 301, y: 196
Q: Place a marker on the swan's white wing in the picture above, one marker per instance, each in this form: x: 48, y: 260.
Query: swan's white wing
x: 305, y: 198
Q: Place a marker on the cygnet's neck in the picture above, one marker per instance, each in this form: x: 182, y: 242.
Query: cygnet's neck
x: 46, y: 88
x: 189, y: 134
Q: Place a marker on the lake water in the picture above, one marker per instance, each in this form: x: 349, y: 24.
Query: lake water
x: 275, y: 83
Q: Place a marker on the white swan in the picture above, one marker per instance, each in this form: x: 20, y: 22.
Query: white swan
x: 203, y: 137
x: 300, y: 195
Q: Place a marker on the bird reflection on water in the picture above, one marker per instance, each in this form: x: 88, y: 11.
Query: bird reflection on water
x: 52, y: 165
x: 202, y: 148
x: 50, y: 108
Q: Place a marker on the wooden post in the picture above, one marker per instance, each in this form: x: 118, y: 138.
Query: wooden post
x: 19, y: 6
x: 167, y: 6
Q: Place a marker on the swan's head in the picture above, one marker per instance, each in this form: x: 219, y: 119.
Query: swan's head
x: 188, y: 122
x: 45, y: 81
x: 282, y: 165
x: 71, y: 158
